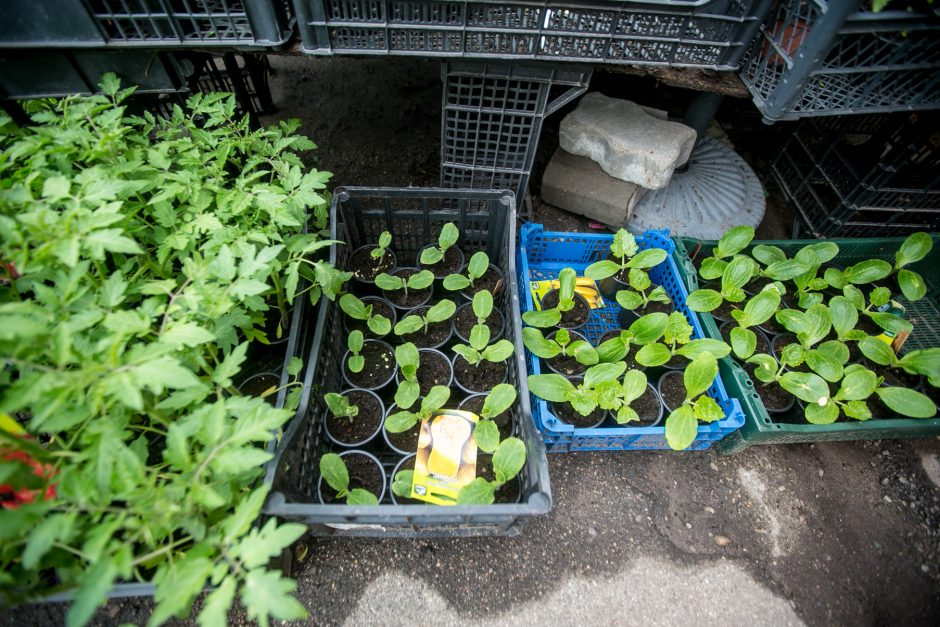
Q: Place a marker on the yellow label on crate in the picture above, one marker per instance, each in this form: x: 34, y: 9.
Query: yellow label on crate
x: 447, y: 456
x: 584, y: 286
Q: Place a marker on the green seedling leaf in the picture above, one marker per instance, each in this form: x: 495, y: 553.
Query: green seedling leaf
x: 402, y: 482
x: 354, y: 308
x: 408, y: 325
x: 388, y: 282
x: 857, y: 385
x: 440, y: 312
x: 704, y: 300
x: 469, y: 354
x: 431, y: 255
x: 649, y: 258
x: 867, y: 271
x: 817, y: 324
x: 822, y: 414
x: 406, y: 394
x: 890, y: 322
x: 449, y: 236
x: 479, y: 263
x: 699, y: 375
x: 486, y: 435
x: 482, y: 305
x: 339, y: 405
x: 835, y: 278
x: 913, y: 249
x: 734, y: 241
x: 761, y: 307
x: 480, y: 336
x: 824, y: 365
x: 401, y: 421
x: 912, y: 285
x: 678, y: 330
x: 566, y: 284
x: 768, y: 254
x: 629, y: 299
x: 786, y: 270
x: 356, y: 363
x: 500, y: 351
x: 681, y: 428
x: 696, y: 347
x: 614, y: 349
x: 638, y: 280
x: 924, y: 362
x: 649, y: 328
x: 437, y: 397
x: 857, y: 409
x: 844, y: 315
x: 835, y: 350
x: 421, y: 280
x: 582, y: 401
x: 508, y: 459
x: 907, y: 402
x: 603, y: 372
x: 543, y: 319
x: 824, y: 251
x: 743, y: 342
x: 408, y: 359
x: 456, y: 282
x: 739, y: 272
x: 333, y: 470
x: 477, y: 492
x: 358, y: 496
x: 706, y: 409
x: 879, y: 296
x: 806, y: 386
x: 500, y: 398
x: 583, y: 352
x: 653, y: 355
x: 601, y: 270
x: 877, y: 351
x: 766, y: 370
x: 385, y: 240
x: 712, y: 268
x: 355, y: 341
x: 624, y: 244
x: 634, y: 385
x: 659, y: 294
x: 538, y: 345
x: 551, y: 387
x: 379, y: 325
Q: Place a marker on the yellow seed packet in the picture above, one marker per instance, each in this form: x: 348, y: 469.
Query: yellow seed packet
x: 447, y: 456
x: 584, y: 286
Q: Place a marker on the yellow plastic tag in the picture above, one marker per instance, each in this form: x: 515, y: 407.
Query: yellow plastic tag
x: 447, y: 456
x: 584, y: 286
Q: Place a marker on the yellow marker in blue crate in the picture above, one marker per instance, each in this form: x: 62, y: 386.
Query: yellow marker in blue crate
x: 584, y: 286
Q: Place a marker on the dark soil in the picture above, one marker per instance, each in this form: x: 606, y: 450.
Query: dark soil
x: 363, y: 425
x: 380, y: 365
x: 756, y: 284
x: 413, y: 298
x: 896, y: 377
x: 453, y: 259
x: 774, y: 397
x: 763, y: 344
x: 406, y: 440
x: 677, y: 362
x: 868, y: 325
x: 647, y: 407
x: 491, y: 281
x: 723, y: 311
x: 257, y: 384
x: 566, y: 413
x: 672, y: 388
x: 508, y: 492
x: 772, y: 327
x: 566, y: 365
x: 434, y: 370
x: 503, y: 421
x: 380, y: 306
x: 480, y: 378
x: 780, y: 342
x: 438, y: 332
x: 365, y: 268
x: 465, y: 320
x: 576, y: 317
x: 408, y: 464
x: 700, y: 256
x: 363, y: 473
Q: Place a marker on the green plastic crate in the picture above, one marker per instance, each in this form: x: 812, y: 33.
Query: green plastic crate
x: 759, y: 427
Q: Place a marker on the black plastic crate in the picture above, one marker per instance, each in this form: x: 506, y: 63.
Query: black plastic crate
x: 146, y: 23
x: 709, y: 34
x: 863, y: 176
x: 54, y: 73
x: 486, y: 220
x: 832, y: 57
x: 492, y: 116
x: 245, y: 75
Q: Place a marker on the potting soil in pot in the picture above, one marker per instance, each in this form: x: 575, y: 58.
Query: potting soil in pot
x: 479, y: 378
x: 567, y: 365
x: 448, y: 265
x: 508, y: 492
x: 412, y: 298
x: 491, y: 281
x: 465, y: 320
x: 366, y: 267
x: 361, y: 426
x: 380, y: 365
x: 774, y: 397
x: 672, y: 387
x: 434, y: 370
x: 567, y: 414
x: 379, y: 308
x: 503, y: 421
x: 436, y: 335
x: 259, y: 384
x: 647, y: 408
x: 363, y: 473
x: 576, y: 316
x: 406, y: 441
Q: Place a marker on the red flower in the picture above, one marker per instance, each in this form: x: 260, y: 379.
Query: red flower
x: 12, y: 496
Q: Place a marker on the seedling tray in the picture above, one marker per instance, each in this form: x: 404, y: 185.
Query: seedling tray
x: 542, y: 255
x: 760, y: 426
x: 486, y: 221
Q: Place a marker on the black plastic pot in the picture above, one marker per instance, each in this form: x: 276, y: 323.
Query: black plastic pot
x: 366, y: 300
x: 456, y: 248
x: 450, y: 380
x: 390, y: 270
x: 392, y: 409
x: 500, y: 283
x: 493, y: 337
x: 256, y: 384
x: 659, y: 386
x: 465, y: 389
x: 421, y: 311
x: 326, y: 423
x: 576, y: 297
x: 352, y: 383
x: 554, y: 406
x: 610, y: 286
x: 347, y: 454
x: 659, y: 417
x: 408, y: 308
x: 574, y: 337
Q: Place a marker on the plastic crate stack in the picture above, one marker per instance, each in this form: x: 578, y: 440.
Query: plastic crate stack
x: 710, y: 34
x: 829, y: 57
x: 862, y: 176
x: 491, y: 119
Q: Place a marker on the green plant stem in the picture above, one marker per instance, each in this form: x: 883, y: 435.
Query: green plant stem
x: 162, y: 550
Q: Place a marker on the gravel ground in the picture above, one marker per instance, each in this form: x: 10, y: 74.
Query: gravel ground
x: 826, y: 534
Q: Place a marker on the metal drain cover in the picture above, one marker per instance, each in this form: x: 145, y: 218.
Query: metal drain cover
x: 719, y: 190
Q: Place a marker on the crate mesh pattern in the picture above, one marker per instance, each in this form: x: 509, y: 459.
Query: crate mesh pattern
x: 822, y: 57
x: 862, y: 176
x: 713, y: 35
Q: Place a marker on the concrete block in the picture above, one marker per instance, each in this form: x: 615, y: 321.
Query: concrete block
x: 578, y: 184
x: 626, y: 141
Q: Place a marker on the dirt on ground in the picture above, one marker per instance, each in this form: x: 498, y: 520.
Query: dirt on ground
x: 825, y: 534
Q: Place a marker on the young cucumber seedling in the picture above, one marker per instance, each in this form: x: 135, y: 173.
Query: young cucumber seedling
x: 417, y: 281
x: 508, y: 460
x: 645, y: 330
x: 596, y: 390
x: 495, y: 353
x: 448, y: 237
x: 682, y: 422
x: 385, y: 240
x: 355, y: 342
x: 486, y: 433
x: 334, y: 472
x: 357, y: 310
x: 560, y: 344
x: 678, y: 341
x: 413, y: 323
x: 340, y: 406
x: 476, y: 268
x: 404, y: 420
x: 482, y: 306
x: 635, y: 265
x: 292, y: 401
x: 544, y: 318
x: 408, y: 359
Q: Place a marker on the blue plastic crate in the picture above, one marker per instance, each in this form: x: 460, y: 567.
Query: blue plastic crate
x: 542, y: 255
